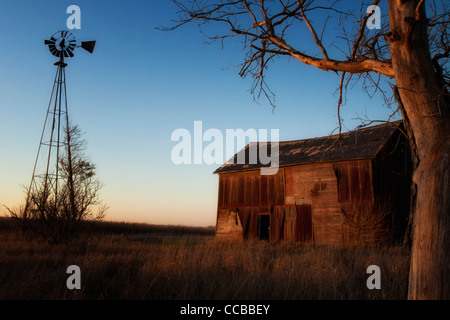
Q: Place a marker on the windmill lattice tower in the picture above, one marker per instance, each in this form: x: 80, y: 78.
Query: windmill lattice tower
x: 52, y: 176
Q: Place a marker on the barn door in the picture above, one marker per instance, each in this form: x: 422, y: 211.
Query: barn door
x: 304, y: 232
x: 263, y: 226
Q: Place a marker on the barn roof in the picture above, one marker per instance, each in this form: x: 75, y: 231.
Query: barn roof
x: 364, y: 143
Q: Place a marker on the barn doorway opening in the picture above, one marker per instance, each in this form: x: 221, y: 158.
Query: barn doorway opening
x: 263, y: 227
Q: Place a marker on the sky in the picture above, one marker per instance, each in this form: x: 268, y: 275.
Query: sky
x: 138, y: 87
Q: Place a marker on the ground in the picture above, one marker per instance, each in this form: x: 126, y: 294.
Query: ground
x: 133, y: 261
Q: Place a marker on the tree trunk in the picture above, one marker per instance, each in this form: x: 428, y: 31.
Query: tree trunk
x: 425, y: 108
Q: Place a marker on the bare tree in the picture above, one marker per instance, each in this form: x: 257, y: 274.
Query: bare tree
x: 367, y: 222
x: 410, y: 53
x: 58, y: 217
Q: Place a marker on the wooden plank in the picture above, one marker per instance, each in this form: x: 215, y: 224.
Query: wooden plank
x: 280, y: 187
x: 220, y: 193
x: 304, y: 223
x: 354, y: 186
x: 366, y: 181
x: 288, y: 176
x: 240, y: 187
x: 270, y: 190
x: 264, y: 198
x: 289, y: 229
x: 226, y: 192
x: 244, y: 215
x: 233, y: 193
x: 345, y: 183
x: 276, y: 223
x: 248, y: 191
x: 256, y: 191
x: 253, y: 223
x: 289, y: 200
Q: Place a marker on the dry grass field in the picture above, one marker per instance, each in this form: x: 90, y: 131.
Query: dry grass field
x: 125, y: 261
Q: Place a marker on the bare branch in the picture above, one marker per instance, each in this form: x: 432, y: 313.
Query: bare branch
x: 268, y: 27
x: 362, y: 28
x: 419, y: 10
x: 316, y: 39
x: 360, y: 66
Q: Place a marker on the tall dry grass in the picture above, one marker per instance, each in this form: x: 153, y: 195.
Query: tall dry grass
x: 122, y: 267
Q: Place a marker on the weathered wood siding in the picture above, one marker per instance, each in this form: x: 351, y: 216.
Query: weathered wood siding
x: 322, y: 189
x: 315, y: 185
x: 356, y: 194
x: 250, y: 189
x: 354, y: 180
x: 304, y: 202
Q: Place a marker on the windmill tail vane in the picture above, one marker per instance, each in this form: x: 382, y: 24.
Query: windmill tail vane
x: 52, y: 173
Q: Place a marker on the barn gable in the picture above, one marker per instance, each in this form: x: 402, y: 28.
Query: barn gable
x: 318, y: 182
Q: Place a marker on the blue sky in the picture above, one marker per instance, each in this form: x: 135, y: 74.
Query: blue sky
x: 138, y: 86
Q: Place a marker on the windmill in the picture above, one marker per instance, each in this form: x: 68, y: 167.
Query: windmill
x: 50, y: 171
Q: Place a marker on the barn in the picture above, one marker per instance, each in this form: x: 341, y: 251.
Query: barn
x: 334, y: 190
